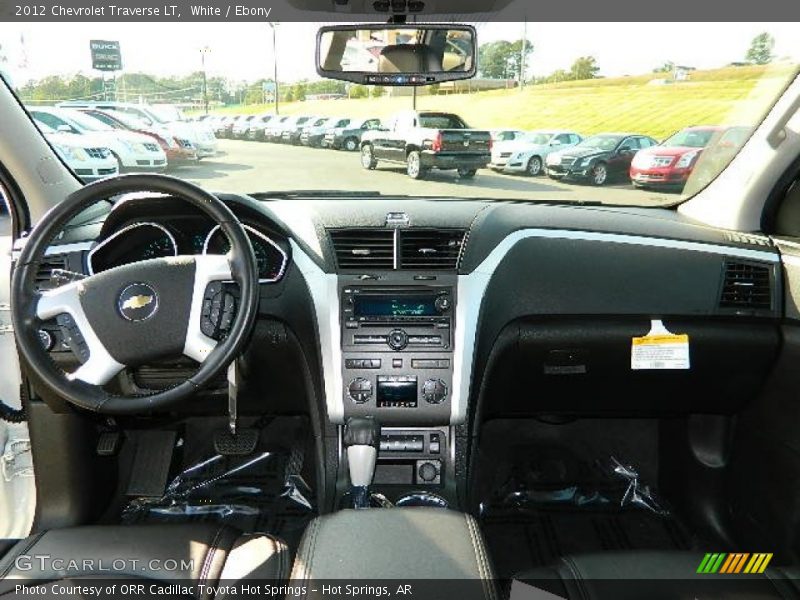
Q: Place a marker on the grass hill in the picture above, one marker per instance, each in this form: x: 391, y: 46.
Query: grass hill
x: 733, y: 95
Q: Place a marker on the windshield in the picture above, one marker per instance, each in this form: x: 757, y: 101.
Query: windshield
x: 243, y: 110
x: 538, y: 138
x: 691, y: 138
x: 601, y: 142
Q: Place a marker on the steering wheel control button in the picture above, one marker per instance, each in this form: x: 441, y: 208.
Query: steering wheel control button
x: 137, y: 302
x: 218, y: 311
x: 397, y: 339
x: 72, y: 335
x: 360, y: 390
x: 434, y: 391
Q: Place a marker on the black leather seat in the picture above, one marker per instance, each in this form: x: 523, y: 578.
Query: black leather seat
x: 654, y: 575
x: 180, y: 554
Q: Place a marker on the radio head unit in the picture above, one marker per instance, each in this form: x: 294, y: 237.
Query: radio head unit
x: 397, y: 318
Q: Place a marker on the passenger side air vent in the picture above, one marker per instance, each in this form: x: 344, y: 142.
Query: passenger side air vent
x: 363, y: 248
x: 46, y: 268
x: 426, y: 249
x: 746, y: 286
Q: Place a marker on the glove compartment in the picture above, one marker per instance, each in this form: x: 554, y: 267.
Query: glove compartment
x: 582, y: 365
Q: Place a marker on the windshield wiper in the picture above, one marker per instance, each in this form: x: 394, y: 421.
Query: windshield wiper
x: 314, y: 194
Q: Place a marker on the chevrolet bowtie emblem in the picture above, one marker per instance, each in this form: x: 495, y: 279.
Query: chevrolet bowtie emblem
x: 135, y: 302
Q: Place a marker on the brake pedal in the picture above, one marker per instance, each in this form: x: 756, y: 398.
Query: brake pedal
x: 241, y: 443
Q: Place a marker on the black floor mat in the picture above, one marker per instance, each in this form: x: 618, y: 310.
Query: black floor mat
x: 519, y: 540
x: 263, y: 492
x: 550, y: 490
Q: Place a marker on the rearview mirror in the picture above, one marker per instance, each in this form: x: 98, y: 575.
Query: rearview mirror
x: 397, y: 54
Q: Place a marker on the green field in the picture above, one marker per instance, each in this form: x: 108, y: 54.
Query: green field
x: 730, y: 96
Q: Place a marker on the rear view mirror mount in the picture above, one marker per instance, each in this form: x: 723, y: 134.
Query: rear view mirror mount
x: 397, y: 55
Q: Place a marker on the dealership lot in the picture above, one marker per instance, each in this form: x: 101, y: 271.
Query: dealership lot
x: 261, y: 167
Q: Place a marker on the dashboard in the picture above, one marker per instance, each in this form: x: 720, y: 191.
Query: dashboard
x: 412, y: 309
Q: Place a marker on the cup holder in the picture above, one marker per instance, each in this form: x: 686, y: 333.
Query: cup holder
x: 422, y: 499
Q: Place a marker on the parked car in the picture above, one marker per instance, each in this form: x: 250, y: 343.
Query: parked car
x: 527, y: 153
x: 88, y: 162
x: 258, y: 124
x: 598, y: 159
x: 669, y: 164
x: 202, y: 138
x: 241, y: 126
x: 507, y: 135
x: 348, y: 136
x: 134, y: 151
x: 223, y: 126
x: 179, y: 151
x: 428, y: 140
x: 291, y: 132
x: 312, y: 135
x: 274, y: 130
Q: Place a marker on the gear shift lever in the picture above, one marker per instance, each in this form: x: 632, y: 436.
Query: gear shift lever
x: 361, y: 436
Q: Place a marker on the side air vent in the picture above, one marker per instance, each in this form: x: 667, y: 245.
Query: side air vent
x: 426, y: 249
x: 746, y: 286
x: 363, y: 248
x: 46, y: 270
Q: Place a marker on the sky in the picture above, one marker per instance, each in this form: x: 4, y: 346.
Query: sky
x: 243, y: 51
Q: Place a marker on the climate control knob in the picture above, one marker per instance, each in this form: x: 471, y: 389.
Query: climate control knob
x: 434, y: 391
x: 360, y: 390
x: 397, y: 339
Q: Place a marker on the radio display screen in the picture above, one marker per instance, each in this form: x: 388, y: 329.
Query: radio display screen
x: 366, y: 305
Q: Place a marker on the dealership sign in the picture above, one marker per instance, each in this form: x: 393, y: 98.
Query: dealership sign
x: 106, y: 55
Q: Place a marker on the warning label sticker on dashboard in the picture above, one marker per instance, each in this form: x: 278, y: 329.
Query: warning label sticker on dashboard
x: 660, y: 349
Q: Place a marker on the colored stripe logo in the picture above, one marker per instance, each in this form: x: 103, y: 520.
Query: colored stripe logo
x: 737, y: 562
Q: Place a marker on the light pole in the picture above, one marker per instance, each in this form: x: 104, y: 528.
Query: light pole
x: 273, y: 27
x: 203, y: 51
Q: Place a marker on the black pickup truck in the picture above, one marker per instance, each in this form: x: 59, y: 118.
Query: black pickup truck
x: 428, y: 140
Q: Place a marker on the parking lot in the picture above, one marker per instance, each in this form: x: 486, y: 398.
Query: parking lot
x: 244, y: 166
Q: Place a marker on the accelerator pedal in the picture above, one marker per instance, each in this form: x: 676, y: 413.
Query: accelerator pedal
x: 234, y: 441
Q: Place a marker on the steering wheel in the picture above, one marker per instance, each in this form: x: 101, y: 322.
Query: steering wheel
x: 135, y: 313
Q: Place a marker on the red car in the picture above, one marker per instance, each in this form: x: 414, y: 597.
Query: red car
x: 179, y: 151
x: 669, y: 164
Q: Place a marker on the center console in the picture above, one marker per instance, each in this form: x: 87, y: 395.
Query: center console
x: 397, y: 367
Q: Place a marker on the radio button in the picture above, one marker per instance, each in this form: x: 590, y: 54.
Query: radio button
x: 397, y: 339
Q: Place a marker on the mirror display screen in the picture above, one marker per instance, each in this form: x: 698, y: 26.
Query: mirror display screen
x: 387, y: 306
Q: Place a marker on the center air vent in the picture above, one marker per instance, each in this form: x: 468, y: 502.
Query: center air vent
x: 363, y: 248
x: 426, y: 249
x: 746, y: 286
x: 46, y: 268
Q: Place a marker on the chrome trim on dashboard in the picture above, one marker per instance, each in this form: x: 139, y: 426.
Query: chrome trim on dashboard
x: 69, y: 248
x: 130, y: 227
x: 472, y: 288
x: 324, y: 291
x: 264, y: 237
